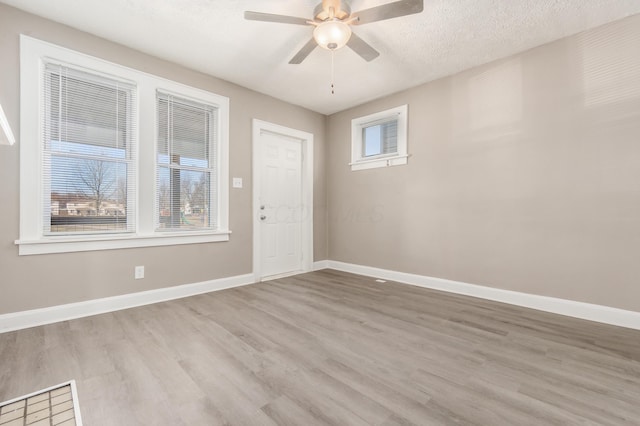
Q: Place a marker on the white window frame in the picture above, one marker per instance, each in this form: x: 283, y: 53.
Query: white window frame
x: 32, y: 239
x: 361, y: 162
x: 212, y: 189
x: 129, y: 159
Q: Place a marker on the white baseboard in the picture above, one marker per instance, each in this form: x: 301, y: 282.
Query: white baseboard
x: 598, y: 313
x: 35, y: 317
x: 588, y: 311
x: 321, y: 264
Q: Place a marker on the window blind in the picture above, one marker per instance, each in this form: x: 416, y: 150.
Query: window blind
x: 186, y: 196
x: 89, y: 169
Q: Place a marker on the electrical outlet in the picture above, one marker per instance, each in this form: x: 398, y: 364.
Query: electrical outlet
x: 139, y: 272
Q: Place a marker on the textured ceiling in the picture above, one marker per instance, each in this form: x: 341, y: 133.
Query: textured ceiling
x: 447, y: 37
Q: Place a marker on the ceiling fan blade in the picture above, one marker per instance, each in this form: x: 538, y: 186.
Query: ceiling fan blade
x: 269, y: 17
x: 304, y: 52
x: 388, y: 11
x: 362, y: 48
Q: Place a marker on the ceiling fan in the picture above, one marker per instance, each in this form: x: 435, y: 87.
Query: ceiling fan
x: 333, y: 19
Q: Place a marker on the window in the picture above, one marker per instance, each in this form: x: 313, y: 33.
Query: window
x: 186, y: 177
x: 88, y: 144
x: 379, y: 140
x: 111, y: 157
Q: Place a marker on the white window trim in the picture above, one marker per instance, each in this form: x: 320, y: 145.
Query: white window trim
x: 358, y: 161
x: 32, y: 241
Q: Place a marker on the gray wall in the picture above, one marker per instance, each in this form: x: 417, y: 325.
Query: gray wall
x: 524, y: 175
x: 28, y: 282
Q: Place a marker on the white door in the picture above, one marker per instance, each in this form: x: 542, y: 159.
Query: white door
x: 280, y: 204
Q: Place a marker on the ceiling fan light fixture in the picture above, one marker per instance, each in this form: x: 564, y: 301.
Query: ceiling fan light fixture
x: 332, y: 34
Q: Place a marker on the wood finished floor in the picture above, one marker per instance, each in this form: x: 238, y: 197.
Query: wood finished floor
x: 332, y: 348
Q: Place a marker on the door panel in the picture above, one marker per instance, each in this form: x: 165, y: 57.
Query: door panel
x: 280, y: 201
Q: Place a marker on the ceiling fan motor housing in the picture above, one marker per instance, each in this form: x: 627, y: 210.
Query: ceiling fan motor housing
x: 322, y: 12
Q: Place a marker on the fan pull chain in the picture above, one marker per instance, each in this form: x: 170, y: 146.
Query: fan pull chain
x: 332, y: 72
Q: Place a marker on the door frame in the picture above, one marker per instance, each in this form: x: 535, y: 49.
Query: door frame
x: 306, y: 140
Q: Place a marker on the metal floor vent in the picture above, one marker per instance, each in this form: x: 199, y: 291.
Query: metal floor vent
x: 57, y: 405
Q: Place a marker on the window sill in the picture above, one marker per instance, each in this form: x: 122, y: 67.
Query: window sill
x: 373, y: 163
x: 112, y: 242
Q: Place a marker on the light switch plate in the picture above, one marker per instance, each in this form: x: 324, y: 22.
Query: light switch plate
x: 139, y: 272
x: 237, y: 182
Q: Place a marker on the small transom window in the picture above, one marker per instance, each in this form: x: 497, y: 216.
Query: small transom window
x: 380, y: 139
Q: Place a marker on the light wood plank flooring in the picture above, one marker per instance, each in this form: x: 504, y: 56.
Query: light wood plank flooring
x: 332, y: 348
